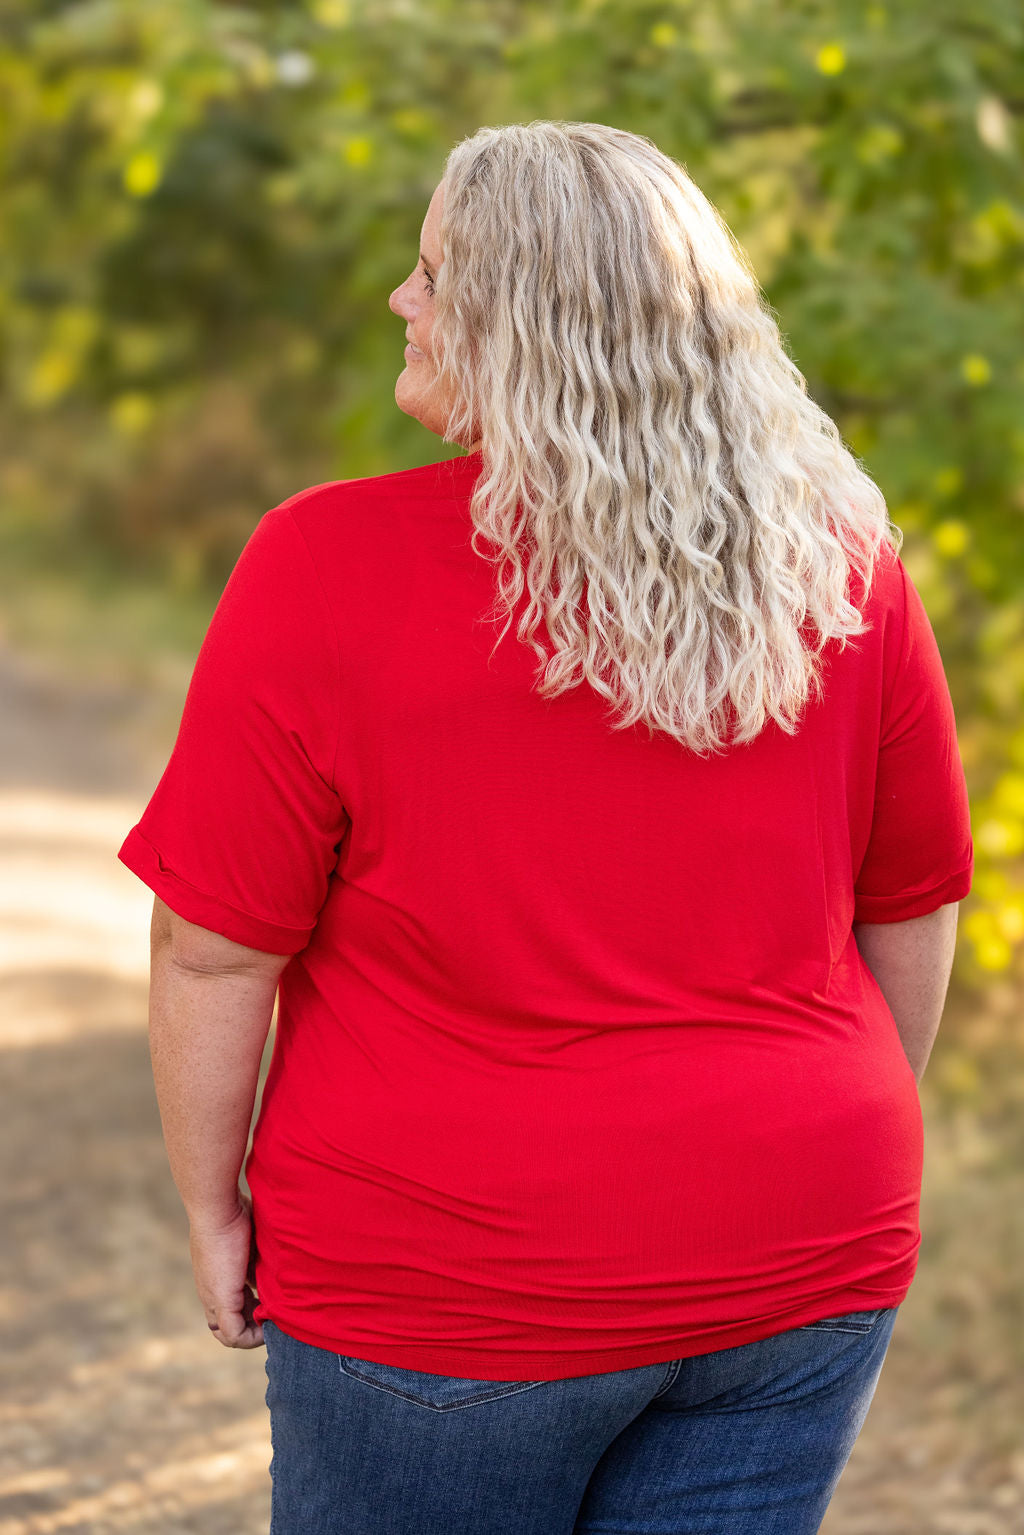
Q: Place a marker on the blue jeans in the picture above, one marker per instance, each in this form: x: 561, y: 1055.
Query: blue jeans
x: 749, y: 1440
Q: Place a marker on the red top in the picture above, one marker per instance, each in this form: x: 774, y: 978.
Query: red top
x: 577, y: 1065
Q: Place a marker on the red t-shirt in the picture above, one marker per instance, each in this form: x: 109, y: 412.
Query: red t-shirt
x: 577, y: 1064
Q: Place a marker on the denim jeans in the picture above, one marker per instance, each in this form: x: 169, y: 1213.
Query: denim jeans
x: 749, y: 1440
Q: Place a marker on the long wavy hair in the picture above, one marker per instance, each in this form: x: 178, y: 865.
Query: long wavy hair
x: 685, y: 518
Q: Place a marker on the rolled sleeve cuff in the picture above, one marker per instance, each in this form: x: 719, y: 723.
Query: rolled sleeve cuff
x: 205, y: 910
x: 912, y: 903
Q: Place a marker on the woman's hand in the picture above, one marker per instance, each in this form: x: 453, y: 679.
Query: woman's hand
x: 224, y: 1267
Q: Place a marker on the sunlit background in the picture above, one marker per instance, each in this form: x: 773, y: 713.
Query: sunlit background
x: 204, y: 209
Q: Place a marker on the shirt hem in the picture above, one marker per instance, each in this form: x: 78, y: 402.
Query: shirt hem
x: 468, y: 1364
x: 901, y: 908
x: 139, y: 855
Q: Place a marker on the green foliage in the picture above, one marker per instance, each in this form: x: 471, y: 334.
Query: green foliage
x: 206, y: 205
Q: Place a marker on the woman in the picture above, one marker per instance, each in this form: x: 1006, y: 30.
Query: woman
x: 585, y: 1184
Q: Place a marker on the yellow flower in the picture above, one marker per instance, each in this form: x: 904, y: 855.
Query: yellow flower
x: 831, y: 59
x: 664, y: 35
x: 976, y: 369
x: 1009, y: 794
x: 331, y: 13
x: 994, y: 954
x: 52, y: 375
x: 999, y: 837
x: 131, y: 412
x: 358, y: 151
x: 979, y: 925
x: 142, y: 173
x: 1011, y: 919
x: 951, y: 537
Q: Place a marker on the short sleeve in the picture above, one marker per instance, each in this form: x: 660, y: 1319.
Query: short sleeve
x: 241, y: 834
x: 920, y: 855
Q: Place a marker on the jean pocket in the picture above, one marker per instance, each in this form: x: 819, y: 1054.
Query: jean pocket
x: 441, y: 1393
x: 851, y: 1321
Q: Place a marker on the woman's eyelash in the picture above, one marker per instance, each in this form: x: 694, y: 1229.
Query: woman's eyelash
x: 430, y: 285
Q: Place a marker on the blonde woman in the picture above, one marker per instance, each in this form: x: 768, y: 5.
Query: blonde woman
x: 593, y: 803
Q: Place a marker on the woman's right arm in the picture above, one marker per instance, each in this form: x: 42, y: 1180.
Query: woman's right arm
x: 912, y: 962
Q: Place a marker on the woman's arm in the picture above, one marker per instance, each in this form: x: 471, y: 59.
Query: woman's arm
x: 912, y: 962
x: 210, y: 1005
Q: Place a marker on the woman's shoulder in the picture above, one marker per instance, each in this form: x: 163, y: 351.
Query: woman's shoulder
x: 884, y: 591
x: 331, y: 498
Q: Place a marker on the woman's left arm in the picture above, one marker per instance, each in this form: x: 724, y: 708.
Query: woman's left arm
x: 211, y: 1001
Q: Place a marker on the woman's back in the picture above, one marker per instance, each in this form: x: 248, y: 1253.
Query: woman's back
x: 577, y: 1065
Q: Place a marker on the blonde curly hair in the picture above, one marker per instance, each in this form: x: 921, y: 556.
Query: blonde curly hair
x: 653, y: 471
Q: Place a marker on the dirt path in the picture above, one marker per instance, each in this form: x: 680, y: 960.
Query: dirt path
x: 121, y: 1412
